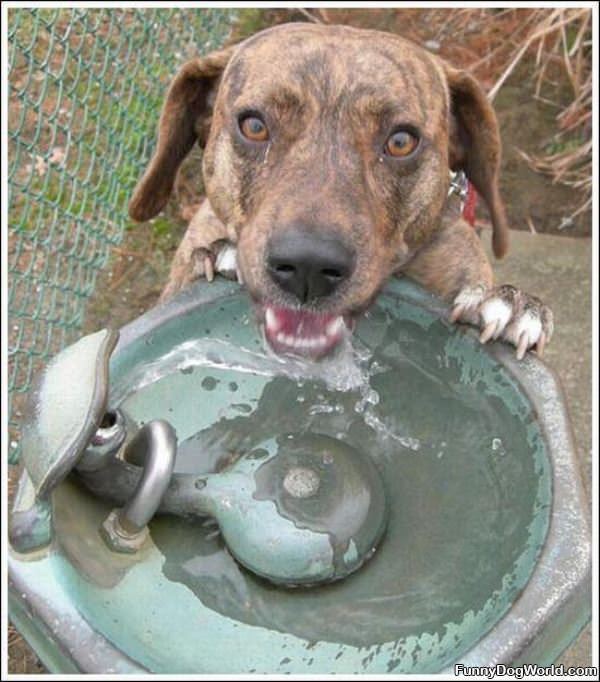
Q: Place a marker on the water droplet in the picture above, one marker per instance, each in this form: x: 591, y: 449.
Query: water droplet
x: 209, y: 383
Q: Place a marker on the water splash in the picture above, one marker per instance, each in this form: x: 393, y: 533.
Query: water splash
x: 344, y: 371
x: 350, y: 370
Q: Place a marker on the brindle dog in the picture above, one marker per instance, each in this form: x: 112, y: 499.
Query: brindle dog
x: 327, y: 152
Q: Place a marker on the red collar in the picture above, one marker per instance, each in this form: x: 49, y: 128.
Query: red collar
x: 470, y: 204
x: 466, y: 192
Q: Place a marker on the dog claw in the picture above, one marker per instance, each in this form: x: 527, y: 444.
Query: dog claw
x: 467, y: 303
x: 490, y: 331
x: 457, y: 311
x: 541, y: 344
x: 209, y: 271
x: 523, y: 345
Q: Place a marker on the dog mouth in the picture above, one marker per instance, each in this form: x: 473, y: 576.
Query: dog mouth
x: 295, y: 331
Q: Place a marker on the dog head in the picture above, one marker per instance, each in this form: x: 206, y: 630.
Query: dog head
x: 327, y: 152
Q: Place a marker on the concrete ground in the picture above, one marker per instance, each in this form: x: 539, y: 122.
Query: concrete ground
x: 559, y: 271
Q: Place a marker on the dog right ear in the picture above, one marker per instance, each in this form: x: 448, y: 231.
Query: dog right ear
x: 475, y: 147
x: 186, y: 111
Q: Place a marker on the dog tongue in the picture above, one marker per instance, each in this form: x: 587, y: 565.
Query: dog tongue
x: 302, y: 332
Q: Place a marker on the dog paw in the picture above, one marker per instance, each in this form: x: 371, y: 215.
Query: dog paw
x: 506, y: 313
x: 220, y: 258
x: 192, y: 263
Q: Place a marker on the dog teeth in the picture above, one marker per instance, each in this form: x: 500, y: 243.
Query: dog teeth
x: 271, y: 320
x: 335, y: 326
x: 298, y: 340
x: 301, y: 343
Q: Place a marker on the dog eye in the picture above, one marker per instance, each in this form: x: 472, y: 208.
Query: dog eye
x: 253, y: 128
x: 401, y: 143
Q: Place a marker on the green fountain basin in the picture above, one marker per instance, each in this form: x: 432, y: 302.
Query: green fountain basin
x: 486, y: 555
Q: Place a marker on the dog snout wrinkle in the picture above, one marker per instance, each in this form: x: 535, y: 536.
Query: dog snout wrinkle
x: 308, y: 263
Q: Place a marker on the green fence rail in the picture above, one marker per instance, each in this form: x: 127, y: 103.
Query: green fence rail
x: 85, y: 89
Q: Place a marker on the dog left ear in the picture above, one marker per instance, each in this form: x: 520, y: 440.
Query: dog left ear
x: 475, y: 147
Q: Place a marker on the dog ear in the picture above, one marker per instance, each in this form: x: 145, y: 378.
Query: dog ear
x: 475, y: 147
x: 184, y: 119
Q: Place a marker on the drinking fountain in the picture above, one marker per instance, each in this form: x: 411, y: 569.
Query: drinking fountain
x: 192, y: 503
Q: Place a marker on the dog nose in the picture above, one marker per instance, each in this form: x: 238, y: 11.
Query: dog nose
x: 309, y: 264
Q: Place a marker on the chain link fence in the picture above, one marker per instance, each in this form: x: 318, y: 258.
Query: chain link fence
x: 85, y: 91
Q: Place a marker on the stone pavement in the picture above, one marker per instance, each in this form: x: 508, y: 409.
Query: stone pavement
x: 559, y: 270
